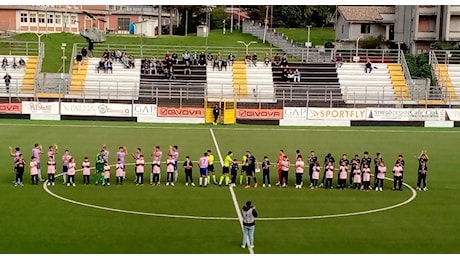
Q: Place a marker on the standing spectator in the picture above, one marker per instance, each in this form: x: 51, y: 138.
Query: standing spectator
x: 187, y: 68
x: 7, y: 79
x: 202, y: 60
x: 224, y: 65
x: 5, y: 63
x: 267, y: 60
x: 210, y: 59
x: 339, y: 60
x: 249, y: 214
x: 368, y: 66
x: 106, y: 54
x: 247, y: 59
x: 296, y: 75
x: 285, y: 75
x: 171, y: 73
x: 118, y: 55
x: 90, y: 48
x: 254, y: 59
x: 167, y: 55
x: 231, y: 59
x: 15, y: 63
x: 79, y: 59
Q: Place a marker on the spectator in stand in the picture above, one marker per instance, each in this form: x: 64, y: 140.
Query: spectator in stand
x: 231, y: 59
x: 175, y: 58
x: 112, y: 55
x: 145, y: 66
x: 195, y: 58
x: 169, y: 63
x: 7, y: 79
x: 101, y: 65
x: 84, y: 53
x: 171, y: 73
x: 108, y: 66
x: 247, y: 59
x: 79, y: 59
x: 277, y: 60
x: 266, y: 60
x: 254, y: 59
x: 285, y: 74
x: 202, y: 60
x: 5, y: 63
x: 291, y: 75
x: 224, y: 64
x: 15, y: 63
x: 153, y: 65
x: 185, y: 56
x: 284, y: 61
x: 118, y: 55
x: 22, y: 63
x: 187, y: 68
x: 106, y: 54
x: 125, y: 61
x: 339, y: 60
x: 210, y: 59
x: 159, y: 67
x: 132, y: 62
x: 296, y: 75
x: 368, y: 66
x: 167, y: 55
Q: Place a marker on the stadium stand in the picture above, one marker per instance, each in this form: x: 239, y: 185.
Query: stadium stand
x: 446, y: 75
x: 22, y: 79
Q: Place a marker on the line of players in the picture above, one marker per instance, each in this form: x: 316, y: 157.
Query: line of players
x: 357, y: 171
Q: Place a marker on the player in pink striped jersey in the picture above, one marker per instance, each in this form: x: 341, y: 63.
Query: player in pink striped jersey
x: 36, y: 151
x: 343, y: 172
x: 357, y: 177
x: 156, y: 162
x: 382, y: 169
x: 366, y: 172
x: 140, y: 163
x: 86, y: 170
x: 71, y: 172
x: 284, y: 171
x: 121, y: 154
x: 329, y: 174
x: 51, y: 170
x: 34, y: 170
x: 315, y: 174
x: 203, y: 164
x: 170, y: 170
x: 174, y: 152
x: 65, y: 164
x: 299, y: 169
x: 105, y: 153
x: 52, y: 150
x: 120, y: 168
x: 106, y: 174
x: 397, y: 176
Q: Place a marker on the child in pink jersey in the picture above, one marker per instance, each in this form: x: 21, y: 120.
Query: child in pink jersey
x: 156, y: 173
x: 86, y: 170
x: 121, y: 154
x: 343, y: 170
x: 34, y: 170
x: 397, y: 176
x: 170, y: 164
x: 51, y: 169
x: 119, y: 171
x: 106, y: 174
x: 284, y: 171
x: 329, y: 175
x: 380, y: 176
x: 315, y: 175
x: 366, y: 172
x: 357, y: 177
x: 71, y: 172
x: 140, y: 170
x: 299, y: 169
x: 65, y: 164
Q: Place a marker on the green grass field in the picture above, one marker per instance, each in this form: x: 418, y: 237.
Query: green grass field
x: 318, y: 35
x: 196, y: 220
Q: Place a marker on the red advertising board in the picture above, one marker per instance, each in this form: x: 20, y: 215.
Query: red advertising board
x: 264, y: 114
x: 11, y: 108
x: 181, y: 112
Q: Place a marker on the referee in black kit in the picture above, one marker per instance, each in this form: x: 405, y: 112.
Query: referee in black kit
x: 216, y: 112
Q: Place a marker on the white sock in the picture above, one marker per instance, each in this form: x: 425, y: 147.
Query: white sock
x: 175, y: 175
x: 205, y: 181
x: 201, y: 181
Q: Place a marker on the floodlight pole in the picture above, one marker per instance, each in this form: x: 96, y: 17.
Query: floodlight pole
x: 63, y: 45
x: 247, y: 45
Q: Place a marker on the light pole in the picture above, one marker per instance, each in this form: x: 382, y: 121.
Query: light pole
x: 247, y: 45
x: 63, y: 45
x: 356, y: 59
x: 308, y: 43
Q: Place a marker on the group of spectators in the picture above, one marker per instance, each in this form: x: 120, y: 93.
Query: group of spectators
x: 21, y: 64
x: 290, y: 75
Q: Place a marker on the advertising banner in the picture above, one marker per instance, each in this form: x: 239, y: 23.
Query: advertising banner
x: 295, y: 113
x: 78, y: 109
x: 405, y: 114
x: 181, y: 112
x: 144, y: 110
x: 111, y: 109
x: 264, y: 114
x: 11, y: 108
x: 336, y: 113
x: 40, y: 107
x: 453, y: 114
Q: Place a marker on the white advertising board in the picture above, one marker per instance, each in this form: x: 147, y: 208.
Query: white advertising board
x: 336, y: 114
x: 144, y: 110
x: 48, y: 108
x: 405, y: 114
x: 78, y: 109
x: 295, y: 113
x: 453, y: 114
x: 111, y: 109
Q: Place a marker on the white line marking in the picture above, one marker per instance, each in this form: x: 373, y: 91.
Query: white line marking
x: 235, y: 201
x: 422, y: 130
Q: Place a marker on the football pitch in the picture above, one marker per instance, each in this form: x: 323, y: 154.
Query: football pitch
x: 130, y: 219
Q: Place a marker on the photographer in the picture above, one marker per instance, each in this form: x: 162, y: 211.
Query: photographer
x: 249, y: 214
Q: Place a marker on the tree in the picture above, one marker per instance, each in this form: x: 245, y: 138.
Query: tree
x: 419, y: 65
x: 218, y: 15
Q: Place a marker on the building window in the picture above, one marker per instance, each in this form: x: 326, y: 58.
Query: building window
x: 66, y: 20
x: 427, y: 23
x: 23, y: 17
x: 73, y: 19
x: 365, y: 28
x: 58, y: 19
x: 41, y: 18
x: 123, y: 24
x: 117, y: 7
x: 111, y: 7
x: 343, y: 27
x: 50, y: 18
x: 33, y: 18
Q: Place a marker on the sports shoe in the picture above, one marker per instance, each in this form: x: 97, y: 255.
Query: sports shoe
x: 321, y: 185
x: 247, y: 187
x: 48, y: 184
x: 172, y: 183
x: 243, y: 246
x: 52, y: 183
x: 15, y: 184
x: 284, y: 186
x: 263, y: 185
x: 193, y: 184
x: 186, y: 184
x: 68, y: 184
x: 255, y: 185
x: 269, y: 185
x: 376, y: 189
x: 381, y: 189
x: 278, y: 184
x: 251, y: 246
x: 425, y: 189
x: 167, y: 184
x: 73, y: 184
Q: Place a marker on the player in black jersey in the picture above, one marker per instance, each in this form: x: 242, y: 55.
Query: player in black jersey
x: 312, y: 159
x: 354, y: 162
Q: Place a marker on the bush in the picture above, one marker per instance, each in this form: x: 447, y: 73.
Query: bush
x: 328, y: 45
x: 371, y: 42
x: 419, y: 65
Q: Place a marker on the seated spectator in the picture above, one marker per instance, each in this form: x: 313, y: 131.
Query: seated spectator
x: 108, y: 66
x: 284, y: 75
x: 125, y: 62
x: 231, y: 59
x: 267, y: 60
x: 339, y: 60
x: 15, y: 63
x: 131, y: 62
x: 5, y: 63
x: 112, y: 55
x: 202, y: 60
x: 22, y: 63
x: 171, y: 73
x: 368, y: 66
x: 118, y: 55
x: 215, y: 64
x: 195, y: 58
x: 296, y: 77
x: 277, y: 60
x: 247, y: 59
x: 284, y: 61
x: 254, y: 59
x: 160, y: 67
x: 187, y: 68
x: 169, y: 62
x: 79, y: 59
x: 145, y: 66
x: 106, y: 54
x: 210, y: 59
x: 101, y: 65
x: 167, y: 55
x: 224, y: 65
x: 290, y: 75
x: 175, y: 58
x: 185, y: 56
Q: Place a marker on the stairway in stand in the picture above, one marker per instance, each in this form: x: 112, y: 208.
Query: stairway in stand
x: 219, y: 83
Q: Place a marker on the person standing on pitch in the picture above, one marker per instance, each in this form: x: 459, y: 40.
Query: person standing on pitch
x: 100, y: 166
x: 36, y: 151
x: 174, y: 152
x: 249, y: 214
x: 216, y: 113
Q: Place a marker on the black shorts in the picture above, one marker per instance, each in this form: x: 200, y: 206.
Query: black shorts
x: 244, y: 169
x: 250, y: 171
x: 225, y: 170
x: 210, y: 168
